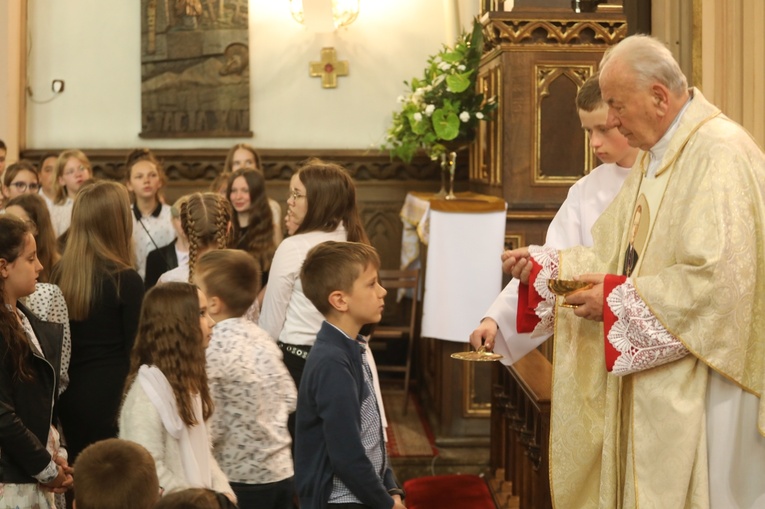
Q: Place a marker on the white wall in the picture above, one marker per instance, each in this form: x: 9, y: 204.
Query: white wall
x: 94, y: 45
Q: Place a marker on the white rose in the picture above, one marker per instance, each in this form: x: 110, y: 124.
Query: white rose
x: 417, y: 116
x: 429, y: 109
x: 444, y: 66
x: 464, y: 116
x: 461, y: 67
x: 479, y: 115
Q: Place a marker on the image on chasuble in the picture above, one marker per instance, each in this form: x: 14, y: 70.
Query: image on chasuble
x: 195, y: 73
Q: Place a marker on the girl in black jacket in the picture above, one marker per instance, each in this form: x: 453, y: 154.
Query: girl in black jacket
x: 32, y: 465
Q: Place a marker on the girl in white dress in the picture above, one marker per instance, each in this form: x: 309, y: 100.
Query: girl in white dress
x: 167, y: 402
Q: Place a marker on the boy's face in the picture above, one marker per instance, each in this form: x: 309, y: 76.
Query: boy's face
x: 367, y: 298
x: 609, y: 144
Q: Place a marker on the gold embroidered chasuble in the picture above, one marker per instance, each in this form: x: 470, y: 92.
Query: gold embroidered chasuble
x: 640, y: 440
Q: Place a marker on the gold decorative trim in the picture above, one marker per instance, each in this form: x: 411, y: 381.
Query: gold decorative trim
x: 484, y: 169
x: 520, y: 215
x: 469, y: 406
x: 514, y: 240
x: 592, y: 32
x: 545, y: 75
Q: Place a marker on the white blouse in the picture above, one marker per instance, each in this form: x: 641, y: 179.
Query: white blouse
x: 287, y: 314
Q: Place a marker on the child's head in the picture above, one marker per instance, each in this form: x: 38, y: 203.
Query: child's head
x: 247, y: 192
x: 608, y: 143
x: 32, y: 208
x: 72, y: 169
x: 195, y: 498
x: 206, y: 220
x: 341, y: 277
x: 47, y: 172
x: 102, y: 222
x: 20, y: 178
x: 242, y: 155
x: 99, y: 239
x: 19, y: 268
x: 321, y: 196
x: 230, y: 279
x: 145, y: 176
x: 116, y: 474
x: 173, y: 332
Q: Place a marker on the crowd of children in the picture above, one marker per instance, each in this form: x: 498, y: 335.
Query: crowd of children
x: 126, y: 317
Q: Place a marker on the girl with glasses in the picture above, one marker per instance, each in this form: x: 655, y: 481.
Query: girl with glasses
x: 321, y: 207
x: 20, y: 178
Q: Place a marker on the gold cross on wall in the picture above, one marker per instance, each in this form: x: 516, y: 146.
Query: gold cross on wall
x: 329, y: 68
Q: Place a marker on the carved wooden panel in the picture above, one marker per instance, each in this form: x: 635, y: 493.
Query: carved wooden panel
x: 561, y: 155
x: 382, y: 184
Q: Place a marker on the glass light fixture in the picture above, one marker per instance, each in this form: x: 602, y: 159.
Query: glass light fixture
x: 344, y: 12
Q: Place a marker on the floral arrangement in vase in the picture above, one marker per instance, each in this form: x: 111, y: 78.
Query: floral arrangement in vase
x: 443, y: 108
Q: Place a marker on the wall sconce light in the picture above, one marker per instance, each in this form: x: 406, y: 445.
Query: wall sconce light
x: 344, y: 12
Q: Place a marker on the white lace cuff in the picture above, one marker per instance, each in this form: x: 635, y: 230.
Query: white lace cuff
x: 638, y: 336
x: 547, y: 258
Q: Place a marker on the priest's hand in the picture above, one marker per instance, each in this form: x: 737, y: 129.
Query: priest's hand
x: 589, y: 302
x: 517, y: 263
x: 484, y: 334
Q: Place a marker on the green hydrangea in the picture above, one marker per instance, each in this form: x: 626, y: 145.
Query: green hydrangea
x: 444, y: 105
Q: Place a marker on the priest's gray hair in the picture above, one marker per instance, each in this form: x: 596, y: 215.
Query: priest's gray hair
x: 650, y: 60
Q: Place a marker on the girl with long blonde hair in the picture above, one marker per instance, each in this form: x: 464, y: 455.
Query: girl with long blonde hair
x: 167, y: 400
x: 103, y: 293
x: 73, y: 168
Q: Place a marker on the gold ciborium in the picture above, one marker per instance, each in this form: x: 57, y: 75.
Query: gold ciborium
x: 480, y: 355
x: 564, y: 287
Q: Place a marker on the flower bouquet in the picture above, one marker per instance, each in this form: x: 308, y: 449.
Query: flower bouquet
x: 443, y: 106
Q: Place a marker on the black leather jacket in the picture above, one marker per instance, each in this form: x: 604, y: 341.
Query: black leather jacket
x: 27, y: 407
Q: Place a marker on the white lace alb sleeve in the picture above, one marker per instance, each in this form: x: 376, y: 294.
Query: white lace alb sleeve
x: 641, y: 340
x: 547, y: 258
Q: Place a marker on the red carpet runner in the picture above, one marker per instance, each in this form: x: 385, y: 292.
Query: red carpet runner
x: 448, y: 492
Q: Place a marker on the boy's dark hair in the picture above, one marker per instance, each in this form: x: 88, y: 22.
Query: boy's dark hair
x: 588, y: 98
x: 116, y: 474
x: 231, y: 275
x: 332, y: 266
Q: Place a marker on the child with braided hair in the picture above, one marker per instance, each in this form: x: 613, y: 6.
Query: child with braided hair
x: 206, y: 221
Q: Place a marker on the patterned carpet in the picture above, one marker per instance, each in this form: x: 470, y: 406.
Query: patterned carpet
x: 410, y: 434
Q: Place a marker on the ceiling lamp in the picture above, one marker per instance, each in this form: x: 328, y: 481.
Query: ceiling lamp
x: 344, y: 12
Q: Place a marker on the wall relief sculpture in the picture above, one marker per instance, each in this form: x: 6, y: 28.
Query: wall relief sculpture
x: 195, y: 75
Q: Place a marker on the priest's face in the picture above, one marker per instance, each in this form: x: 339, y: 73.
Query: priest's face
x: 633, y: 107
